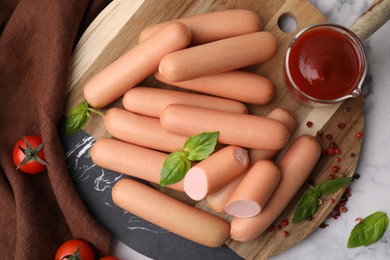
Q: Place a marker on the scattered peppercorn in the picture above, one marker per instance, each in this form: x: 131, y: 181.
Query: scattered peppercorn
x: 271, y: 228
x: 323, y: 225
x: 344, y: 198
x: 284, y: 233
x: 335, y: 168
x: 329, y: 137
x: 341, y: 125
x: 284, y: 222
x: 355, y: 176
x: 330, y: 151
x: 330, y: 148
x: 358, y: 220
x: 341, y: 204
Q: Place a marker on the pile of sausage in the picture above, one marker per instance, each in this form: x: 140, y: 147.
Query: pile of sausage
x: 203, y: 54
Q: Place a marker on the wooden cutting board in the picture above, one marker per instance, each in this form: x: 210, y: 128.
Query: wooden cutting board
x: 116, y: 30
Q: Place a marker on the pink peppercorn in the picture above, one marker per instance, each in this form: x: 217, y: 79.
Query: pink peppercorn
x: 358, y: 220
x: 284, y: 222
x: 330, y: 151
x: 341, y: 125
x: 323, y: 225
x: 335, y: 168
x: 271, y: 228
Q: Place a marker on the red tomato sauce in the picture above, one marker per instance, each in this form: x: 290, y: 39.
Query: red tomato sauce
x: 325, y: 64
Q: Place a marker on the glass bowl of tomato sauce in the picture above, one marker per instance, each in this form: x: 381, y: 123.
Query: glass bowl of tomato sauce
x: 325, y: 64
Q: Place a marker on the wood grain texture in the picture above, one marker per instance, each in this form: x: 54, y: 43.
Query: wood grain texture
x: 117, y: 29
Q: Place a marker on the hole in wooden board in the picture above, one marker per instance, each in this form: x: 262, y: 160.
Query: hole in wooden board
x: 287, y: 23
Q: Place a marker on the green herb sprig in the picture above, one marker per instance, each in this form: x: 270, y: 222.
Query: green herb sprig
x: 78, y: 117
x: 309, y: 202
x: 196, y: 148
x: 369, y: 231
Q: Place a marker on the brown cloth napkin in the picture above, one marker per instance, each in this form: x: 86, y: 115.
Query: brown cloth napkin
x: 39, y: 212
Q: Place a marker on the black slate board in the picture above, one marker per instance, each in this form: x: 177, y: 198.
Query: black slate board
x: 94, y: 186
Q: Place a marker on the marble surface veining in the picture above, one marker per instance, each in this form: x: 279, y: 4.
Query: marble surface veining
x: 370, y: 193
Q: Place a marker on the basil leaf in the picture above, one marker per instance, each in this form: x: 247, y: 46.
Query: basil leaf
x: 307, y: 206
x: 177, y: 164
x: 200, y: 146
x: 309, y: 202
x: 77, y: 118
x: 332, y: 186
x: 174, y: 168
x: 369, y: 231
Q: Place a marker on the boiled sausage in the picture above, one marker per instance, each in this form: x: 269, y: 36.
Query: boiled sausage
x: 152, y: 101
x: 215, y: 25
x: 219, y: 56
x: 141, y: 130
x: 215, y: 171
x: 254, y: 190
x: 237, y: 85
x: 248, y: 131
x: 131, y: 160
x: 135, y: 65
x: 170, y: 214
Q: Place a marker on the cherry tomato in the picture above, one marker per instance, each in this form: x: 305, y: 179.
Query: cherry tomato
x: 109, y: 258
x: 71, y: 248
x: 28, y: 155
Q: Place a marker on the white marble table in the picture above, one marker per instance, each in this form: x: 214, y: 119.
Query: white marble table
x: 371, y: 192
